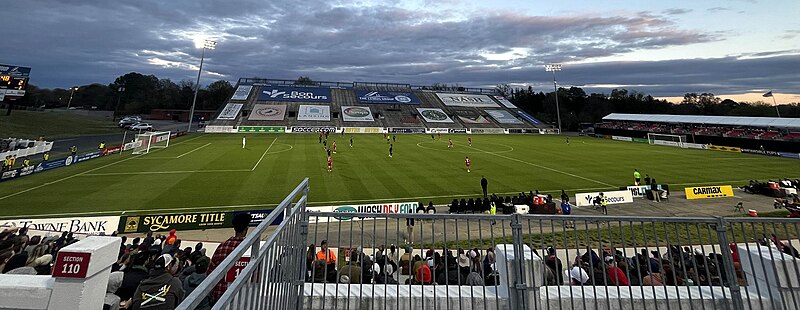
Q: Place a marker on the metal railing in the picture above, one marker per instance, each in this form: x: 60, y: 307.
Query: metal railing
x: 481, y: 261
x: 271, y: 279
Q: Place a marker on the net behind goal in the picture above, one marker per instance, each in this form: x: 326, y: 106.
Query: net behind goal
x: 666, y: 139
x: 151, y: 141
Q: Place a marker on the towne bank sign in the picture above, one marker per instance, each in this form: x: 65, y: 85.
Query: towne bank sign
x: 378, y: 208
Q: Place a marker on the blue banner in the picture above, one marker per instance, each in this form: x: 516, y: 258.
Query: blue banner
x: 87, y: 156
x: 528, y: 118
x: 386, y: 97
x: 259, y: 216
x: 288, y: 93
x: 15, y: 173
x: 52, y: 164
x: 789, y: 155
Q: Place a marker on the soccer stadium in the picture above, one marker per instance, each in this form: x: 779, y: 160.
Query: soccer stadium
x: 407, y: 192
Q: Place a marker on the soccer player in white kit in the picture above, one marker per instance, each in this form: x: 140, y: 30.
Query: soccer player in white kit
x: 244, y: 141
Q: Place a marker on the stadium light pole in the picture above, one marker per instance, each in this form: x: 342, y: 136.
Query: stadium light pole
x: 207, y: 44
x: 72, y: 92
x: 553, y: 68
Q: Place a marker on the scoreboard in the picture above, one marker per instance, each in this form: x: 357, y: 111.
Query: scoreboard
x: 13, y: 80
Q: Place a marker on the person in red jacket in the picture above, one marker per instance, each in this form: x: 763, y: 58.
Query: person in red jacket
x: 615, y: 275
x: 172, y: 237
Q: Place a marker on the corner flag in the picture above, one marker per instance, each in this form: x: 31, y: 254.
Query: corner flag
x: 768, y: 94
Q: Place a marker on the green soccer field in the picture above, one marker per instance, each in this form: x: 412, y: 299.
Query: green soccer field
x: 209, y: 172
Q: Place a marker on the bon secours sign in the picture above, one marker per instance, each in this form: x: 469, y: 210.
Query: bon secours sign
x: 613, y: 197
x: 286, y: 93
x: 379, y: 208
x: 717, y: 191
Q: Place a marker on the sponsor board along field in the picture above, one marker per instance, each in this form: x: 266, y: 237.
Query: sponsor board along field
x: 214, y: 172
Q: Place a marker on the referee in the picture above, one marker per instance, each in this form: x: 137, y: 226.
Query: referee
x: 637, y: 177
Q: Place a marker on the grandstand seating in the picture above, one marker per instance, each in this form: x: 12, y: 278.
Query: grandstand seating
x: 385, y: 115
x: 768, y: 135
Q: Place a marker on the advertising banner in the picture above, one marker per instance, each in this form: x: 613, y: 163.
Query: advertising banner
x: 242, y: 92
x: 362, y: 129
x: 789, y: 155
x: 466, y: 100
x: 716, y: 191
x: 15, y: 173
x: 495, y: 131
x: 231, y: 111
x: 613, y: 197
x: 434, y: 115
x: 112, y: 150
x: 87, y: 156
x: 183, y: 221
x: 266, y: 129
x: 15, y: 71
x: 456, y: 130
x: 267, y: 112
x: 219, y: 129
x: 312, y: 129
x: 503, y: 117
x: 314, y: 113
x: 694, y: 146
x: 522, y: 130
x: 667, y: 143
x: 437, y: 130
x: 406, y: 130
x: 619, y: 138
x: 259, y: 216
x: 380, y: 208
x: 641, y: 190
x: 386, y: 97
x: 52, y: 164
x: 528, y: 118
x: 505, y: 102
x: 289, y: 93
x: 724, y: 148
x: 769, y: 153
x: 357, y: 114
x: 471, y: 117
x: 83, y: 225
x: 640, y: 140
x: 132, y: 145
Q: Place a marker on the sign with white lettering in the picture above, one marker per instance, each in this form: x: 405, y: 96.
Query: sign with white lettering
x: 237, y: 268
x: 289, y: 93
x: 82, y: 225
x: 466, y: 100
x: 183, y: 221
x: 388, y: 208
x: 71, y: 265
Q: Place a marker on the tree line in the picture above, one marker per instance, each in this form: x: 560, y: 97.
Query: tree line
x: 132, y: 93
x: 577, y: 107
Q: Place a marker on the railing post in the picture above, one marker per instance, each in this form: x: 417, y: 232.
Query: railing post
x: 727, y: 257
x: 519, y: 270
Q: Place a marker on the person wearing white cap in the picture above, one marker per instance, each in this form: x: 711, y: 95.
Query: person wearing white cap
x: 160, y: 290
x: 577, y: 275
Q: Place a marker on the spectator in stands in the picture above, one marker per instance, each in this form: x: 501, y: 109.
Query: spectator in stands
x: 172, y: 237
x: 112, y: 301
x: 646, y: 179
x: 240, y: 223
x: 616, y: 276
x: 405, y: 261
x: 193, y: 281
x: 386, y: 276
x: 410, y: 229
x: 423, y: 275
x: 17, y: 261
x: 160, y: 290
x: 327, y: 254
x: 577, y: 274
x: 457, y: 275
x: 351, y: 272
x: 554, y: 263
x: 133, y: 276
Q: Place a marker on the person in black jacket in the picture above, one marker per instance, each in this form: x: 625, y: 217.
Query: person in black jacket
x: 564, y: 196
x: 654, y: 189
x: 161, y: 290
x: 133, y: 276
x: 484, y: 186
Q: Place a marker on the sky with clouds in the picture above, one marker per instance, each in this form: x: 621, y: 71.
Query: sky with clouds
x: 735, y: 48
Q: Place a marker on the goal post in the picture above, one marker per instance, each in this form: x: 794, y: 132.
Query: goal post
x: 666, y: 139
x: 151, y: 141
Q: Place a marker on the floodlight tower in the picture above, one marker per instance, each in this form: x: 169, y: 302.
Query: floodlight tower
x: 207, y: 44
x: 553, y: 68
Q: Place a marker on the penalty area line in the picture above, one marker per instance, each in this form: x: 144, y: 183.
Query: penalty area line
x: 265, y: 153
x: 189, y: 152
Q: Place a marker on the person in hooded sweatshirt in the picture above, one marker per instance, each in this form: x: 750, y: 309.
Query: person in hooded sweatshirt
x: 161, y: 290
x: 134, y: 274
x: 193, y: 281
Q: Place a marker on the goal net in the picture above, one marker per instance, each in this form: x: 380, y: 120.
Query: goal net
x: 151, y: 141
x: 666, y: 139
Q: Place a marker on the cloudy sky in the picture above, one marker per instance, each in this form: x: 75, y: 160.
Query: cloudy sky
x: 734, y: 48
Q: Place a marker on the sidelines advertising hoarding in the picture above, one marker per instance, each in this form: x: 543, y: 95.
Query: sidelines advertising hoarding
x: 362, y: 129
x: 405, y: 130
x: 471, y: 117
x: 267, y: 112
x: 386, y: 97
x: 620, y: 138
x: 641, y: 190
x: 491, y: 131
x: 357, y: 114
x: 768, y: 153
x: 702, y: 192
x: 268, y: 129
x: 724, y: 148
x: 312, y: 129
x: 231, y: 111
x: 242, y: 92
x: 314, y: 113
x: 466, y: 100
x: 182, y: 221
x: 505, y: 102
x: 613, y: 197
x: 434, y: 115
x: 83, y: 225
x: 503, y: 117
x: 289, y: 93
x: 379, y: 208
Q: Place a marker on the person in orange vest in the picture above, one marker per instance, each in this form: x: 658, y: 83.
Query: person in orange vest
x: 326, y: 254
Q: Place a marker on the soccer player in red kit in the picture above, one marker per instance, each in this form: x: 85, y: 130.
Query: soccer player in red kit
x: 469, y: 140
x: 330, y: 164
x: 334, y: 146
x: 466, y: 162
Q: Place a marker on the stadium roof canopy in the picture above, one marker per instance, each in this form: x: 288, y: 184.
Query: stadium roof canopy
x: 707, y: 120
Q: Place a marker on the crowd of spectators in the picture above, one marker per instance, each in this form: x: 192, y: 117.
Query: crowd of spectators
x: 387, y: 266
x: 21, y: 253
x: 537, y: 203
x: 720, y: 131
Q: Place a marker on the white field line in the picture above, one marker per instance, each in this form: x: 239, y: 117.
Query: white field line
x: 85, y: 172
x: 189, y: 152
x: 544, y: 167
x: 165, y: 172
x: 316, y: 203
x: 265, y: 153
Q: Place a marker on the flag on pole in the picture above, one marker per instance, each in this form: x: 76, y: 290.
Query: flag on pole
x: 768, y: 94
